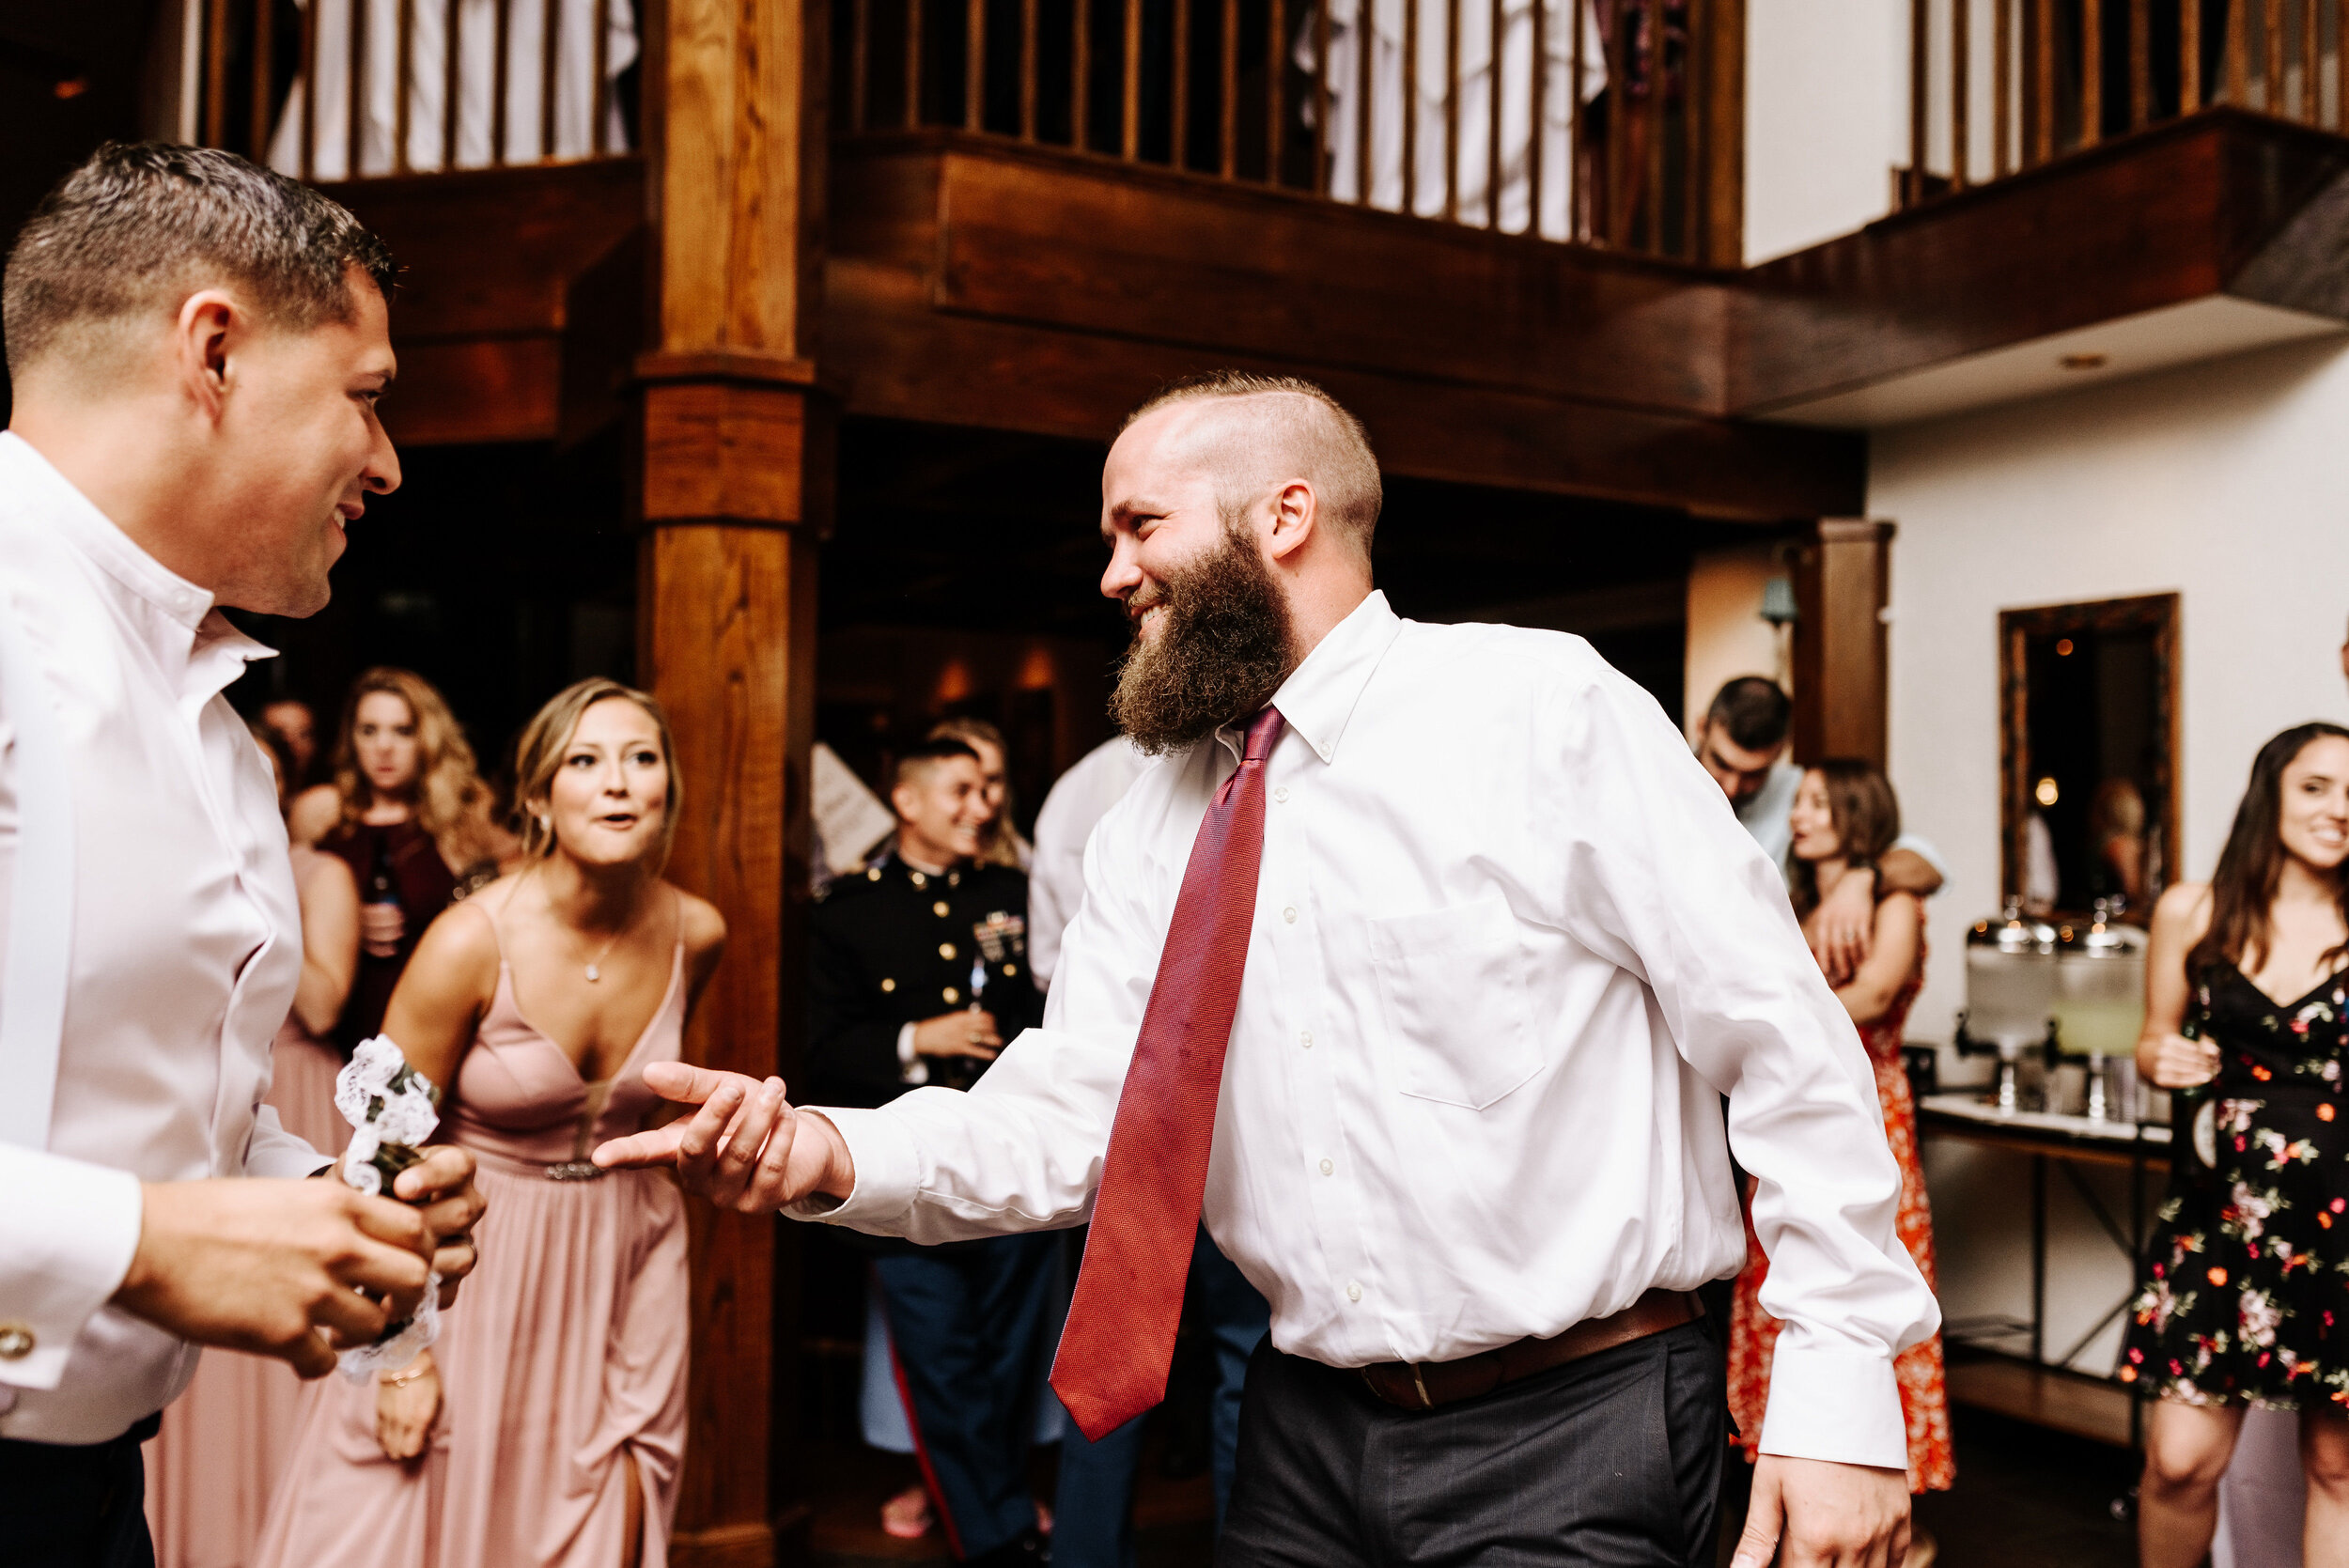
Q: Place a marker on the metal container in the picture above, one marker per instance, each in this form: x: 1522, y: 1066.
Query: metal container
x: 2100, y: 1005
x: 2010, y: 990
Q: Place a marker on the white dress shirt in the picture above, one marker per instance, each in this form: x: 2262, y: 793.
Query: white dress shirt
x: 186, y: 947
x: 1056, y: 882
x: 1510, y: 948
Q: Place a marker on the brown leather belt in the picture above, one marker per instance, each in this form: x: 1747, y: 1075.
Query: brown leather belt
x: 1425, y: 1385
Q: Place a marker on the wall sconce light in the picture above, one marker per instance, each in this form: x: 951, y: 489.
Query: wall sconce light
x: 1778, y: 601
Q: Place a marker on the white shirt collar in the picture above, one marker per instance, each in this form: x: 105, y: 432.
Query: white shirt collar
x: 1321, y: 694
x: 185, y: 630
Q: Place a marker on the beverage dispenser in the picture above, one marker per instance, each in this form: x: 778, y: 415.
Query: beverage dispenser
x: 2009, y: 992
x: 2100, y: 1007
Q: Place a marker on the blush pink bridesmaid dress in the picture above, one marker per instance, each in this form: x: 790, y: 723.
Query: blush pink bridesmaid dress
x: 564, y: 1357
x: 225, y: 1443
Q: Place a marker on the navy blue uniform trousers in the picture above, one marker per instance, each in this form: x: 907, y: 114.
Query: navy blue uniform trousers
x: 75, y: 1506
x: 972, y: 1328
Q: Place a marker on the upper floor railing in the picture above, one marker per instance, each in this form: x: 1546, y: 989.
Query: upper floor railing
x: 1610, y: 122
x: 339, y: 89
x: 1996, y: 86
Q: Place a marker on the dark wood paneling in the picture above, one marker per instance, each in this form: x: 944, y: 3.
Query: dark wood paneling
x: 2201, y: 207
x: 472, y: 390
x: 898, y: 358
x: 1065, y: 243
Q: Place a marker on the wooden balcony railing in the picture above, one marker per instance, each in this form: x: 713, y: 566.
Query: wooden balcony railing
x: 339, y: 89
x: 1996, y: 86
x: 1619, y: 122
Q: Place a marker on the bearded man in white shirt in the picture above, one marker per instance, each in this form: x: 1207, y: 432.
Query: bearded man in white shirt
x: 195, y: 346
x: 1422, y: 965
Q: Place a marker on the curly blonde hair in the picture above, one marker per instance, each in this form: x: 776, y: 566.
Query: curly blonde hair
x: 450, y: 802
x: 538, y: 755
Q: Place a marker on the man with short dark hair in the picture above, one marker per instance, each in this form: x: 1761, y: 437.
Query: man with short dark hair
x: 196, y: 348
x: 1743, y: 746
x: 1419, y: 968
x: 918, y: 973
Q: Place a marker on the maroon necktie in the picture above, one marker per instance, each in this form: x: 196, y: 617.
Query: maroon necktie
x: 1120, y: 1339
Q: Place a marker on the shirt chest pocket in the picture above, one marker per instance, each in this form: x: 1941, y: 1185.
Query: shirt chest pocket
x: 1453, y: 990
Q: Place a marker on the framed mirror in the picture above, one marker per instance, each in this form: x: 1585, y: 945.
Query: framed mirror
x: 2089, y: 753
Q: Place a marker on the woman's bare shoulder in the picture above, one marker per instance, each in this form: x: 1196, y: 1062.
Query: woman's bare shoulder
x: 705, y: 927
x: 313, y: 814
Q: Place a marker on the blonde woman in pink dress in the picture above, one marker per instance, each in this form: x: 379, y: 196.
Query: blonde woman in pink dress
x: 547, y: 1426
x: 225, y: 1442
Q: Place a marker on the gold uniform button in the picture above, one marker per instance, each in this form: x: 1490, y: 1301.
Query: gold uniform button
x: 1011, y: 968
x: 953, y: 879
x: 953, y: 995
x: 889, y: 985
x: 16, y: 1342
x: 920, y: 880
x: 874, y: 874
x: 938, y: 909
x: 945, y: 950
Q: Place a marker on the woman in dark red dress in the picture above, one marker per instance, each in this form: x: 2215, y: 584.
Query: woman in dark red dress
x: 408, y: 813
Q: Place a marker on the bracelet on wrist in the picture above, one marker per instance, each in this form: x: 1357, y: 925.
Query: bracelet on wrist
x: 405, y: 1375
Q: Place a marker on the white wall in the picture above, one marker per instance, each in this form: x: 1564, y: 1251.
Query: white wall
x: 1727, y: 635
x: 1827, y: 95
x: 2226, y: 482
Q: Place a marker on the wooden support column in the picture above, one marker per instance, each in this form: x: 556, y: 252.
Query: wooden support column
x: 733, y: 448
x: 1842, y: 581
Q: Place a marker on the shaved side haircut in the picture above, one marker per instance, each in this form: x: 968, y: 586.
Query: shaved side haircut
x: 1278, y: 428
x: 918, y: 762
x: 141, y: 225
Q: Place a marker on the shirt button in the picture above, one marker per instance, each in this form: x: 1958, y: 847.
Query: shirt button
x: 1281, y: 794
x: 1289, y: 914
x: 938, y: 909
x: 945, y: 950
x: 1327, y: 1168
x: 16, y: 1342
x: 1305, y: 1038
x: 1353, y: 1291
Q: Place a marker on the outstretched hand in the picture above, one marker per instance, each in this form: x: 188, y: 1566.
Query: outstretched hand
x: 745, y: 1148
x: 1816, y: 1513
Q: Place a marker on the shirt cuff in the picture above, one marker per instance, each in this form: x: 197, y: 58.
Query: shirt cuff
x: 68, y: 1231
x: 273, y: 1150
x: 910, y: 1067
x: 888, y: 1172
x: 1837, y: 1406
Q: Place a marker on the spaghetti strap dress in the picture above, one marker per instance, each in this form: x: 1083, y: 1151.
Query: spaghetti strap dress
x: 1753, y: 1332
x: 225, y: 1442
x: 2243, y: 1295
x: 564, y: 1357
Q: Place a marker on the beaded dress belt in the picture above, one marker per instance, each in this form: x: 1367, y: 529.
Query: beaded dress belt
x: 575, y: 1170
x: 1425, y: 1385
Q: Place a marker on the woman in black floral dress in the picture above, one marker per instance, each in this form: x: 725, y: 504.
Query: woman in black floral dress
x: 2244, y: 1293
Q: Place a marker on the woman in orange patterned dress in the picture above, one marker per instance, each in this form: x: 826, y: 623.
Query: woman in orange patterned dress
x: 1845, y: 816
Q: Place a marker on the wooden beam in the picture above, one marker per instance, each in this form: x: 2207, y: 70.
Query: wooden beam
x: 732, y: 461
x: 1842, y: 581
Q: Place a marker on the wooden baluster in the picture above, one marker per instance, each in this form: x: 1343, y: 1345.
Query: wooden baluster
x: 216, y: 127
x: 1027, y: 68
x: 2341, y: 65
x: 1080, y: 76
x: 2044, y: 143
x: 1178, y: 149
x: 1919, y: 92
x: 309, y: 89
x: 1227, y: 132
x: 2002, y: 87
x: 1533, y: 99
x: 502, y: 68
x: 1578, y: 194
x: 1365, y: 40
x: 405, y: 56
x: 860, y: 61
x: 1321, y: 98
x: 913, y: 63
x: 550, y: 77
x: 355, y: 103
x: 264, y: 69
x: 1696, y: 63
x: 2272, y: 34
x: 1129, y: 141
x: 1652, y: 198
x: 1618, y: 123
x: 2189, y: 55
x: 2238, y: 54
x: 1961, y: 91
x: 1276, y: 66
x: 974, y: 65
x: 1452, y: 111
x: 451, y: 25
x: 2311, y: 50
x: 2091, y: 72
x: 2141, y: 65
x: 1499, y: 23
x: 1410, y: 105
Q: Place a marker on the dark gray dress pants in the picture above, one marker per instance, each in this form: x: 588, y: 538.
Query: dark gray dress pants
x: 67, y: 1506
x: 1612, y: 1460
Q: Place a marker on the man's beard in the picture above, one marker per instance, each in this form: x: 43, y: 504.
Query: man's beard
x: 1222, y: 651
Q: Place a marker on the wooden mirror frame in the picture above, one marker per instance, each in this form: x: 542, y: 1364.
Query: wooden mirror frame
x: 2156, y: 613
